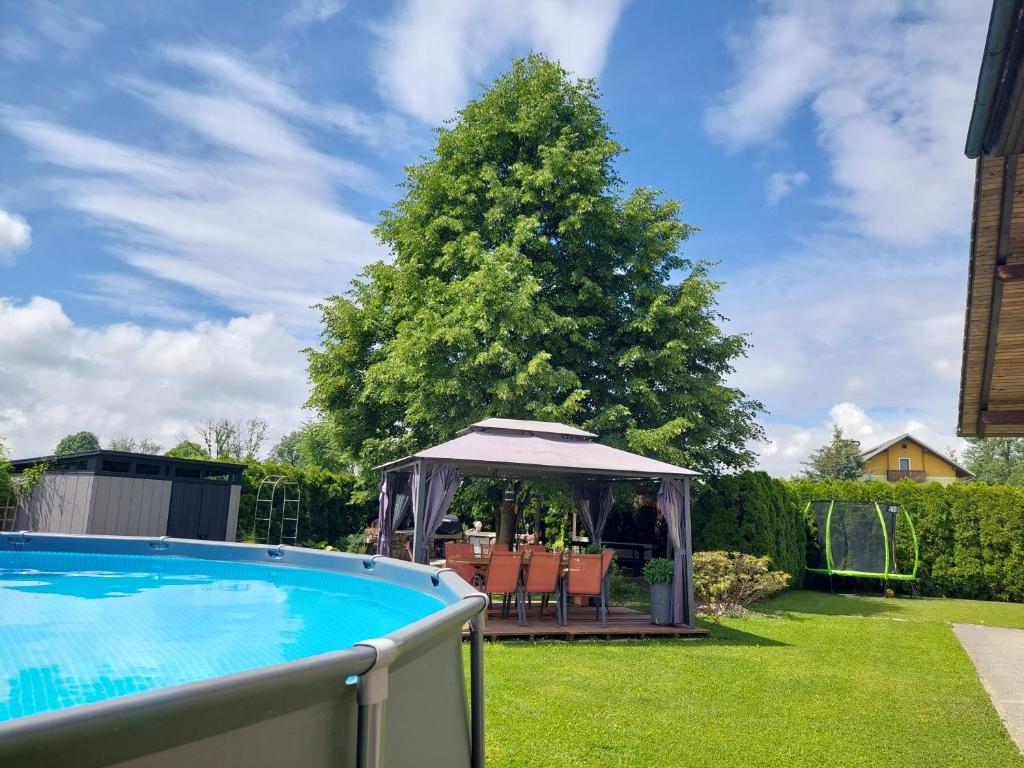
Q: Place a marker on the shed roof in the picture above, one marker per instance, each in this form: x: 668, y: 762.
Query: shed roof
x: 55, y: 461
x: 514, y: 448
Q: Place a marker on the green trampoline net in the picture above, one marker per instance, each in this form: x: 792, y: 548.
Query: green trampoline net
x: 858, y: 538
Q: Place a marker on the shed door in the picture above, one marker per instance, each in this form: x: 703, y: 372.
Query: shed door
x: 213, y: 513
x: 198, y: 510
x: 183, y: 515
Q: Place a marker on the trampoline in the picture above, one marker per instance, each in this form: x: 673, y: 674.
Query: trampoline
x: 858, y: 539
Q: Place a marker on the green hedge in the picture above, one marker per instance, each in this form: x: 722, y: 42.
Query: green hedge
x: 971, y: 534
x: 327, y: 512
x: 751, y: 513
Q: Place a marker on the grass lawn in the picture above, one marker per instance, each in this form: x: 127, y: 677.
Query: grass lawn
x: 817, y: 679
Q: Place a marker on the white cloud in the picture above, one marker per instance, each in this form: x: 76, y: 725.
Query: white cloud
x: 844, y: 321
x: 433, y: 52
x: 890, y: 86
x: 781, y: 184
x: 788, y: 445
x: 57, y: 377
x: 15, y: 235
x: 135, y: 296
x: 233, y: 76
x: 18, y: 46
x: 310, y: 11
x: 47, y: 27
x: 252, y: 215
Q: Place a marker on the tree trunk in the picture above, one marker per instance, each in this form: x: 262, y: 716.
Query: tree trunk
x: 506, y: 524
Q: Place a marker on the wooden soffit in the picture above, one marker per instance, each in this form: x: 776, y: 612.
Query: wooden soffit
x: 992, y: 376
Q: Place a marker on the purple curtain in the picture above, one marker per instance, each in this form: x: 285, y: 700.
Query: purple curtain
x: 671, y: 499
x: 393, y: 503
x: 441, y: 488
x: 593, y: 503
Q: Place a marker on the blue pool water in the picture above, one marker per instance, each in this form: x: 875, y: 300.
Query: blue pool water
x: 78, y: 628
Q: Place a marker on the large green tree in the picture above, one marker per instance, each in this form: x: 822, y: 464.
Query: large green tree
x: 838, y: 459
x: 996, y: 459
x: 188, y: 449
x: 6, y: 486
x: 76, y: 443
x: 529, y: 282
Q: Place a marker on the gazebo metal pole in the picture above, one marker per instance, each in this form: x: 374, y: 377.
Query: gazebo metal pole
x: 419, y: 499
x: 690, y: 618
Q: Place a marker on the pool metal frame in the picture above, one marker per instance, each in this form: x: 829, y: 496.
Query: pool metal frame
x: 224, y: 720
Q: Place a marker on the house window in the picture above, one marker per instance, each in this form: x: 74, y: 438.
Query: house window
x: 116, y: 466
x: 904, y: 464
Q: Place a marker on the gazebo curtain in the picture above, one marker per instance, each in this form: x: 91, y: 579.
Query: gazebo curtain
x: 593, y: 503
x: 671, y: 501
x: 393, y: 504
x: 441, y: 488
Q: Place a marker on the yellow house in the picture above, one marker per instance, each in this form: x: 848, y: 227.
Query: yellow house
x: 907, y: 457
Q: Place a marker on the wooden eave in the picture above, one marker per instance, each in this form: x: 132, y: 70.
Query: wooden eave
x: 992, y: 376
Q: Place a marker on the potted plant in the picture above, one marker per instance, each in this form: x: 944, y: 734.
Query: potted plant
x: 658, y: 573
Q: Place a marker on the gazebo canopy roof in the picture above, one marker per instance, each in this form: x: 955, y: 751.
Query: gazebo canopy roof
x: 515, y: 448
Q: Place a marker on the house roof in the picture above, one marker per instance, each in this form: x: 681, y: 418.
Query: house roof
x: 962, y: 471
x: 992, y: 379
x: 514, y: 448
x: 994, y: 127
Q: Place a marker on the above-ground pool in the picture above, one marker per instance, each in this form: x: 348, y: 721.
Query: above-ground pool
x: 119, y: 651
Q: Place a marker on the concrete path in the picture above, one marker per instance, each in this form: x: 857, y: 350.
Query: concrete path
x: 998, y: 655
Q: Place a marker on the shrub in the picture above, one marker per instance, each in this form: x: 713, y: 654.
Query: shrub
x: 356, y: 542
x: 734, y: 578
x: 658, y: 571
x: 753, y: 513
x: 327, y: 512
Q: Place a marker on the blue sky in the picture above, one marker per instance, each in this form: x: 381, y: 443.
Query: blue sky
x: 182, y: 180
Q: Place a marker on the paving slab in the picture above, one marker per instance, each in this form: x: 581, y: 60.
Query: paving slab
x: 998, y: 655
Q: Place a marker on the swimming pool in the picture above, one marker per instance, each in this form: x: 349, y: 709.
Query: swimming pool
x: 265, y: 654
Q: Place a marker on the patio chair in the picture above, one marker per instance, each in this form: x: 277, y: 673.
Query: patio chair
x: 587, y: 577
x: 457, y: 551
x: 543, y: 578
x: 503, y: 577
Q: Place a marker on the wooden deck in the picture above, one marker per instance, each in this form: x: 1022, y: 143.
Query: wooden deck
x: 622, y: 623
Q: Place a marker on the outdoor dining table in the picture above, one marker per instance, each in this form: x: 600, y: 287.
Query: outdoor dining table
x: 481, y: 563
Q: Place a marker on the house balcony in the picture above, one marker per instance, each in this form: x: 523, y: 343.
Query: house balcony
x: 917, y: 475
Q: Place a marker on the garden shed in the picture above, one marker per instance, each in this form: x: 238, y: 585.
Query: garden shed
x: 514, y: 448
x: 131, y: 494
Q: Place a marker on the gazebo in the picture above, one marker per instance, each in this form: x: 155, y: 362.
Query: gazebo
x: 513, y: 448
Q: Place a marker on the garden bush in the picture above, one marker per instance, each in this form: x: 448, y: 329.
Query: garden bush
x: 971, y: 534
x: 327, y: 512
x: 726, y: 579
x: 752, y: 513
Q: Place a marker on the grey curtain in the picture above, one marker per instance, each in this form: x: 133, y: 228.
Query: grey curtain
x: 401, y: 499
x: 441, y: 488
x: 385, y: 522
x: 671, y: 500
x: 393, y: 503
x: 593, y: 503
